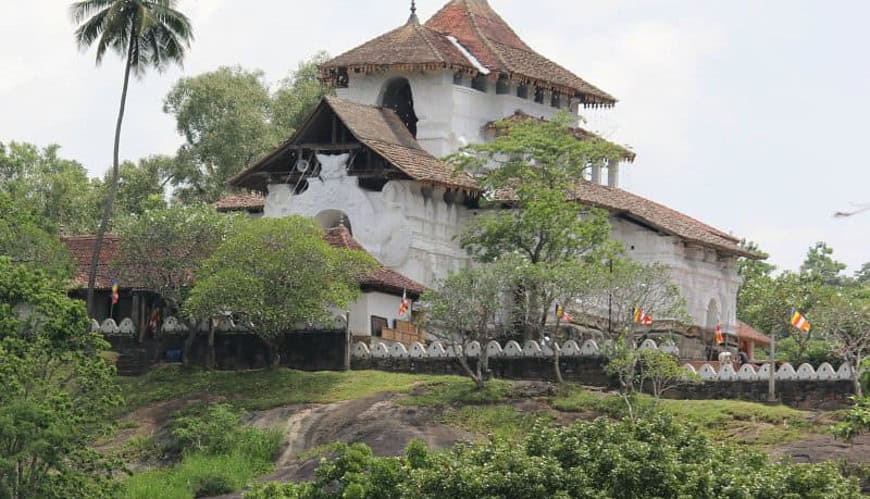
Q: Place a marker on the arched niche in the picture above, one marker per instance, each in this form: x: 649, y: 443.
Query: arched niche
x: 330, y: 219
x: 397, y: 95
x: 713, y: 314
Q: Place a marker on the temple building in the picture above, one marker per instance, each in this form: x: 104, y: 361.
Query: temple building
x: 368, y: 160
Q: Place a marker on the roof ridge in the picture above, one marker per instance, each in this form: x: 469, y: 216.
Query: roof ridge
x: 437, y: 52
x: 483, y: 37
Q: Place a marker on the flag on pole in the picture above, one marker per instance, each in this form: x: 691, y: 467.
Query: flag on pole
x: 405, y: 305
x: 115, y: 293
x: 799, y: 321
x: 562, y: 314
x: 641, y: 317
x: 720, y: 338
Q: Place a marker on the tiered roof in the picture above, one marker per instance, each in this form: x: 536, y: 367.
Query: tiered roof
x: 468, y: 36
x: 81, y: 249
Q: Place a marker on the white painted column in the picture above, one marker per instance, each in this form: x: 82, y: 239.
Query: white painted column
x: 596, y: 174
x: 613, y: 173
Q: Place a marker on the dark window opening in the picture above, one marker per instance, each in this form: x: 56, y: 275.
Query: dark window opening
x: 399, y: 98
x: 373, y: 184
x: 556, y: 100
x: 301, y: 187
x: 523, y: 91
x: 539, y: 95
x: 479, y: 83
x: 503, y: 86
x: 342, y: 80
x: 378, y: 326
x: 459, y: 79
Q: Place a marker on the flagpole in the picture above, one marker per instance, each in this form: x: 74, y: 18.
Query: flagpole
x: 771, y: 383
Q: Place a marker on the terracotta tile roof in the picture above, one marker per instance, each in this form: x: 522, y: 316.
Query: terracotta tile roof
x: 748, y: 333
x: 253, y: 202
x: 410, y: 45
x: 580, y: 133
x: 493, y: 42
x: 382, y: 131
x: 382, y: 279
x: 81, y: 250
x: 481, y: 32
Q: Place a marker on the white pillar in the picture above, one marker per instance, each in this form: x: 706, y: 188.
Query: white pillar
x: 596, y: 174
x: 613, y: 173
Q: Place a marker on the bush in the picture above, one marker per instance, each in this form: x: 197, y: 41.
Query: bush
x: 212, y: 485
x: 212, y: 433
x: 647, y: 458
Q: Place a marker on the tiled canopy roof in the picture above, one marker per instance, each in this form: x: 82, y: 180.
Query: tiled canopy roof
x: 254, y: 202
x: 480, y: 31
x: 81, y: 249
x: 382, y: 279
x: 382, y: 131
x: 748, y: 333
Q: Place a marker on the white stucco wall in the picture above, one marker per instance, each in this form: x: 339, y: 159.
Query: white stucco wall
x: 370, y: 304
x: 451, y: 116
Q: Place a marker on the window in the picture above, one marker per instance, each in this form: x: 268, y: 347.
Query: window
x: 378, y: 326
x: 479, y: 83
x: 556, y: 100
x: 503, y: 86
x: 523, y: 91
x: 539, y: 95
x: 399, y: 98
x: 459, y: 79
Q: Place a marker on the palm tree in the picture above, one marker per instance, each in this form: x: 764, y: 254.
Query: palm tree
x: 150, y: 34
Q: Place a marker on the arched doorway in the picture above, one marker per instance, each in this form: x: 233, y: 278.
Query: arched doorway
x: 398, y: 97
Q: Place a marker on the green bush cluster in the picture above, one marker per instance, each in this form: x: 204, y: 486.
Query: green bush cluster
x: 655, y: 457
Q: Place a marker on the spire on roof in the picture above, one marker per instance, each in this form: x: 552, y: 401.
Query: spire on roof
x: 413, y: 19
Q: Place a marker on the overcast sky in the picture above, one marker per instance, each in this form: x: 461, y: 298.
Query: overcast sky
x: 750, y: 116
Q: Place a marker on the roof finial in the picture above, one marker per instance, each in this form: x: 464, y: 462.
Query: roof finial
x: 414, y: 19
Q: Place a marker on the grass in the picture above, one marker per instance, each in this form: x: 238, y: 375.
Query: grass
x: 735, y: 421
x: 502, y: 421
x: 267, y: 389
x: 451, y: 390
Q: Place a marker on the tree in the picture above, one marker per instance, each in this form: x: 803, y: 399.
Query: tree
x: 57, y: 394
x: 224, y: 118
x: 662, y: 372
x: 846, y: 319
x: 862, y: 276
x: 147, y: 34
x: 469, y: 306
x: 298, y: 94
x: 141, y: 186
x: 56, y: 191
x: 24, y: 239
x: 820, y: 266
x: 163, y: 249
x: 277, y: 275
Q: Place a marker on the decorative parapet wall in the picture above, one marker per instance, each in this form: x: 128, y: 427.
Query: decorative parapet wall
x: 590, y: 349
x: 172, y: 325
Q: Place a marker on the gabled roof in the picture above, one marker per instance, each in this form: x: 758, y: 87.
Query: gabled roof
x: 469, y: 36
x: 253, y: 202
x: 379, y: 129
x: 81, y: 249
x: 382, y: 279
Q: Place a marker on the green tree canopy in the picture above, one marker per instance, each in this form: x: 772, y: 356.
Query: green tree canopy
x: 57, y: 392
x: 278, y: 275
x: 297, y: 95
x: 820, y: 265
x: 56, y: 190
x: 24, y: 239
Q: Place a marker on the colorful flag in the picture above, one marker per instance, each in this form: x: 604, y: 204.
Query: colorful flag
x: 405, y: 305
x: 799, y: 321
x: 720, y: 338
x: 155, y: 319
x: 562, y: 314
x: 641, y: 317
x: 115, y: 293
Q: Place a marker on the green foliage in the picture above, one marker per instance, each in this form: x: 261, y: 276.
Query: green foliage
x: 278, y: 275
x: 141, y: 185
x: 845, y: 318
x: 500, y: 421
x: 813, y: 352
x: 55, y: 192
x: 648, y: 458
x: 24, y: 240
x: 821, y: 267
x: 229, y: 118
x: 662, y: 372
x: 57, y: 392
x: 448, y: 390
x: 163, y: 248
x: 856, y: 422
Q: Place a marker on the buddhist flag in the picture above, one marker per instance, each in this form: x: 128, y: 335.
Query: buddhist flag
x: 115, y: 293
x: 641, y: 317
x: 799, y: 321
x: 405, y: 305
x: 720, y: 338
x: 562, y: 314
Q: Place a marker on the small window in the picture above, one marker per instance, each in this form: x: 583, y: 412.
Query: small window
x: 459, y: 79
x: 539, y: 95
x: 523, y: 91
x: 503, y: 86
x: 378, y: 326
x: 556, y: 100
x: 479, y: 83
